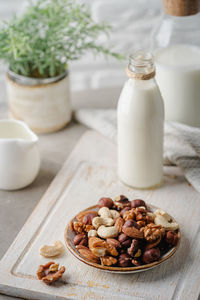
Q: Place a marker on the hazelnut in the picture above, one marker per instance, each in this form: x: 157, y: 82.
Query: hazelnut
x: 133, y: 248
x: 131, y: 223
x: 151, y: 255
x: 80, y: 239
x: 171, y: 238
x: 124, y: 210
x: 137, y: 203
x: 105, y: 202
x: 124, y: 240
x: 124, y: 260
x: 87, y: 219
x: 113, y: 242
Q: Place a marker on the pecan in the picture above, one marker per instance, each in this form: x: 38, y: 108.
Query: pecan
x: 129, y: 215
x: 133, y: 232
x: 153, y: 232
x: 114, y: 243
x: 82, y: 214
x: 124, y: 260
x: 100, y: 247
x: 87, y: 253
x: 108, y: 261
x: 133, y: 248
x: 49, y: 272
x: 119, y: 223
x: 97, y: 246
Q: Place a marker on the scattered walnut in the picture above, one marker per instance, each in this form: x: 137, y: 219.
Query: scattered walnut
x: 49, y: 272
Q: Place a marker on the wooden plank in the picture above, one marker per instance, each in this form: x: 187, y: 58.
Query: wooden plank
x: 88, y: 174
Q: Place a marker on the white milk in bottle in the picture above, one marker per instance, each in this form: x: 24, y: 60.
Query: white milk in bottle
x: 178, y: 77
x: 140, y: 125
x: 175, y: 42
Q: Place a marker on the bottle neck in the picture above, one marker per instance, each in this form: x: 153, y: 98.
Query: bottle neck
x: 141, y: 66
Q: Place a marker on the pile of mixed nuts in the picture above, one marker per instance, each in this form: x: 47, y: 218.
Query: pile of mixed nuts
x: 124, y: 233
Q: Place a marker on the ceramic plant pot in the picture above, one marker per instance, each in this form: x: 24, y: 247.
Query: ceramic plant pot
x: 43, y: 104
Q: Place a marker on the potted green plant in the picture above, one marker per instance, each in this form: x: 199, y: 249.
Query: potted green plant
x: 37, y: 46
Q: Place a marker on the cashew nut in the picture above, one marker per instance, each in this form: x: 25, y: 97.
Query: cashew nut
x: 98, y: 221
x: 162, y: 218
x: 107, y: 232
x: 115, y: 214
x: 92, y: 233
x: 160, y: 212
x: 105, y: 212
x: 51, y: 251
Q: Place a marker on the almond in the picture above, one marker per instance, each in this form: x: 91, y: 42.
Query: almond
x: 86, y: 253
x: 119, y: 223
x: 133, y: 232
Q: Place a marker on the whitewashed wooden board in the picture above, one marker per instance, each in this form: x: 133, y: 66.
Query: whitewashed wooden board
x: 88, y: 174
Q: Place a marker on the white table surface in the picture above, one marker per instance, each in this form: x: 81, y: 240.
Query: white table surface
x: 16, y: 206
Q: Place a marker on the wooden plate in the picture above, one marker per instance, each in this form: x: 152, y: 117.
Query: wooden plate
x: 69, y: 236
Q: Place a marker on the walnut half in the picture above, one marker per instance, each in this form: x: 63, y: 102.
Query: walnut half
x: 50, y: 273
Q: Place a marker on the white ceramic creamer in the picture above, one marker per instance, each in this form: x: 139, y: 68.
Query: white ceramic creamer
x: 19, y: 155
x: 140, y: 125
x: 178, y: 77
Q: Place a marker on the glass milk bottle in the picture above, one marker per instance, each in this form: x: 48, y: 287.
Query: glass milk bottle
x: 140, y: 125
x: 176, y: 45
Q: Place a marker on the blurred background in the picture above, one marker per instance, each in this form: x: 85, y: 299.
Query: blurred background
x: 132, y: 22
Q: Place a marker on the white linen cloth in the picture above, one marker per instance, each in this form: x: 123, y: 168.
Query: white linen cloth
x: 181, y: 142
